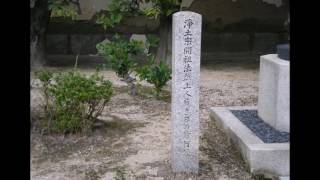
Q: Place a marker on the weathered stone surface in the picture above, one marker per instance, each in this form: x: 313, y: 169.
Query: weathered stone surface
x: 265, y: 42
x: 186, y: 44
x: 57, y: 44
x: 85, y: 44
x: 225, y: 42
x: 274, y: 89
x: 246, y: 14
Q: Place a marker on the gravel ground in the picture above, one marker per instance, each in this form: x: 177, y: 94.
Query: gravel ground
x: 136, y: 141
x: 263, y: 130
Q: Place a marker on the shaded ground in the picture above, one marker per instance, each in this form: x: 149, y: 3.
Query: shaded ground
x: 135, y: 144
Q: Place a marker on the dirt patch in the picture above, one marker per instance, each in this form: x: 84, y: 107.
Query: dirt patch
x: 134, y: 141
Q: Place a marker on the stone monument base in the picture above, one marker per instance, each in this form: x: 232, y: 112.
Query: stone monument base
x: 274, y: 88
x: 269, y: 159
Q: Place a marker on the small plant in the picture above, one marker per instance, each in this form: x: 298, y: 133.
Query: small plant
x: 152, y: 41
x: 154, y: 73
x: 73, y: 101
x: 119, y: 53
x: 62, y: 8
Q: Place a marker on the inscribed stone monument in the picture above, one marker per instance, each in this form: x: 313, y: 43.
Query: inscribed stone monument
x: 186, y: 48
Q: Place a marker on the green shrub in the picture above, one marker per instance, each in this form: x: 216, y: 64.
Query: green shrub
x: 118, y: 54
x: 157, y: 74
x: 117, y: 10
x: 74, y: 101
x: 152, y: 40
x: 61, y: 8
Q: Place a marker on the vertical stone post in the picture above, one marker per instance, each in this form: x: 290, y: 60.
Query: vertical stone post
x: 186, y: 49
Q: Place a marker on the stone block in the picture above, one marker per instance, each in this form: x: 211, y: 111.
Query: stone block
x: 85, y: 43
x: 274, y: 92
x: 57, y: 44
x: 186, y: 50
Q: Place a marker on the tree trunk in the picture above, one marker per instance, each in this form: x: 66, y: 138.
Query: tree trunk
x: 38, y: 22
x: 163, y: 48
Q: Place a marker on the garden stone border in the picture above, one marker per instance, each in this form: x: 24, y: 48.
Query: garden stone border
x: 262, y: 158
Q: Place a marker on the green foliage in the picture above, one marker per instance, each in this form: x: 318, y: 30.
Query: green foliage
x: 117, y: 10
x: 152, y: 41
x: 162, y: 8
x: 109, y: 21
x: 119, y: 53
x: 152, y: 12
x: 62, y: 8
x: 73, y: 100
x: 157, y: 74
x: 44, y: 76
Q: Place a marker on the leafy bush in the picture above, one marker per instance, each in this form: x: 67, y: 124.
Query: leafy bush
x: 117, y: 11
x: 62, y: 8
x: 119, y: 54
x: 152, y: 42
x: 73, y: 101
x: 157, y: 74
x: 162, y: 8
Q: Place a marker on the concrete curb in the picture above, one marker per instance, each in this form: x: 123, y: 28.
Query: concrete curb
x: 265, y: 158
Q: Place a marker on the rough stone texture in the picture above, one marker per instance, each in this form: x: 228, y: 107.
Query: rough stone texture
x: 270, y: 159
x: 185, y: 100
x: 227, y: 32
x: 274, y: 92
x: 262, y: 158
x: 265, y: 42
x: 57, y: 44
x: 89, y: 8
x: 225, y: 42
x: 84, y: 61
x: 278, y: 3
x: 238, y: 46
x: 247, y: 15
x: 85, y: 44
x: 186, y: 3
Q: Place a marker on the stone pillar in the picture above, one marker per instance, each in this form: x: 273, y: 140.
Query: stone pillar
x: 274, y: 89
x: 186, y: 49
